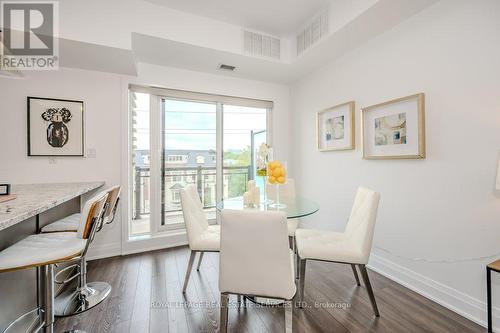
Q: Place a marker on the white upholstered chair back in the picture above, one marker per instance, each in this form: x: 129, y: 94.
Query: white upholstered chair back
x: 192, y: 210
x: 287, y: 190
x: 361, y: 225
x: 93, y: 208
x: 255, y: 258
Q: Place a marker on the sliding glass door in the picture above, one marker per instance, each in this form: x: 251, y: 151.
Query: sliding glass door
x: 244, y: 130
x: 180, y: 138
x: 189, y: 156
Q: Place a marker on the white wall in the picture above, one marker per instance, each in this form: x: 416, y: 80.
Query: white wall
x: 443, y: 207
x: 113, y: 21
x: 105, y: 97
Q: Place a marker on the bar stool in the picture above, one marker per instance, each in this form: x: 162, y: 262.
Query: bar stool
x: 70, y: 223
x: 87, y: 294
x: 45, y: 250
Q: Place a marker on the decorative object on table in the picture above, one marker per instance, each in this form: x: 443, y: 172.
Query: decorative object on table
x: 251, y: 198
x: 276, y: 171
x: 335, y: 127
x: 55, y: 127
x: 263, y: 156
x: 5, y: 189
x: 395, y: 129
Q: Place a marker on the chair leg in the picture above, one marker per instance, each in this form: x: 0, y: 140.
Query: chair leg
x: 288, y: 316
x: 297, y: 263
x: 355, y: 274
x: 238, y: 302
x: 488, y: 298
x: 47, y: 277
x: 368, y: 286
x: 188, y: 272
x: 302, y: 278
x: 224, y: 300
x: 199, y: 261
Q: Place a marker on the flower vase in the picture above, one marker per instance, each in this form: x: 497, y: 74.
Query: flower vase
x: 265, y: 201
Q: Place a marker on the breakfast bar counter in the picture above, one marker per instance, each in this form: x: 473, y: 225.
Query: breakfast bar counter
x: 33, y: 199
x: 35, y: 206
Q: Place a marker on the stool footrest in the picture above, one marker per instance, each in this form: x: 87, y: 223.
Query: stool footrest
x: 13, y: 327
x: 56, y: 280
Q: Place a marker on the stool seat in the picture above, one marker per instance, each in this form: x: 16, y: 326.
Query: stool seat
x: 69, y: 223
x: 41, y: 250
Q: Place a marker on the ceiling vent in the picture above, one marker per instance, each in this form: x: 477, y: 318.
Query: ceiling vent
x: 312, y: 32
x: 227, y: 67
x: 259, y: 45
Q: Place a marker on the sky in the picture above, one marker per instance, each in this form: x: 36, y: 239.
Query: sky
x: 192, y: 125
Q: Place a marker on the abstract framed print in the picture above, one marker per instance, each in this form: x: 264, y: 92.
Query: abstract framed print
x: 335, y: 128
x: 55, y: 127
x: 394, y: 129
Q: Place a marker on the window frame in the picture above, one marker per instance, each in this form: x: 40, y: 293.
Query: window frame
x: 157, y: 96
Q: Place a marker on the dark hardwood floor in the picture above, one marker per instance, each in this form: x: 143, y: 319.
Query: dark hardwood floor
x: 147, y: 297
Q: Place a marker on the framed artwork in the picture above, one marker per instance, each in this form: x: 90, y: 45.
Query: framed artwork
x: 335, y: 127
x: 55, y: 127
x: 394, y: 129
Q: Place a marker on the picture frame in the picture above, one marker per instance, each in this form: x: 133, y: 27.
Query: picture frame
x: 55, y: 127
x: 5, y: 189
x: 394, y: 129
x: 335, y: 128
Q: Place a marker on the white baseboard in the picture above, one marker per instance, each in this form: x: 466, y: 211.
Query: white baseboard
x: 104, y: 251
x: 161, y: 241
x: 455, y: 300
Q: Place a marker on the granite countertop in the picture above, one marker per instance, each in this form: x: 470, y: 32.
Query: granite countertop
x: 33, y: 199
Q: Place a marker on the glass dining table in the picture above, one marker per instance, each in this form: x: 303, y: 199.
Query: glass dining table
x: 294, y: 208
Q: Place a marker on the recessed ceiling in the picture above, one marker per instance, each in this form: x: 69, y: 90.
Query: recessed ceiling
x: 276, y: 17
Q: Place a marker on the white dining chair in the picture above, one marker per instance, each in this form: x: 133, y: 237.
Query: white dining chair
x: 353, y: 246
x: 255, y: 259
x: 202, y: 237
x: 287, y: 192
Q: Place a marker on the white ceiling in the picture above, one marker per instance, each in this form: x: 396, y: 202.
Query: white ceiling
x: 276, y: 17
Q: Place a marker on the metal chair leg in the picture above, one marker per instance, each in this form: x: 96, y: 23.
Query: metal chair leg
x: 368, y: 286
x: 188, y: 272
x: 224, y: 300
x: 302, y: 278
x: 288, y: 316
x: 488, y: 297
x: 297, y: 262
x: 47, y: 273
x: 355, y: 274
x: 199, y: 261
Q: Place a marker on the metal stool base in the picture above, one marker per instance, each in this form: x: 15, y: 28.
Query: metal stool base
x: 70, y: 303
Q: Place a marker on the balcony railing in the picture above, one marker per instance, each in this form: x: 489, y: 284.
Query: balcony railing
x: 235, y: 181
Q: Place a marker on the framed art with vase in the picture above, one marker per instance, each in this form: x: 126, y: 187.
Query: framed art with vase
x: 55, y: 127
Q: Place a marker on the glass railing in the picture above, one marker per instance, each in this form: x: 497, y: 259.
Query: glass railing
x: 235, y: 179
